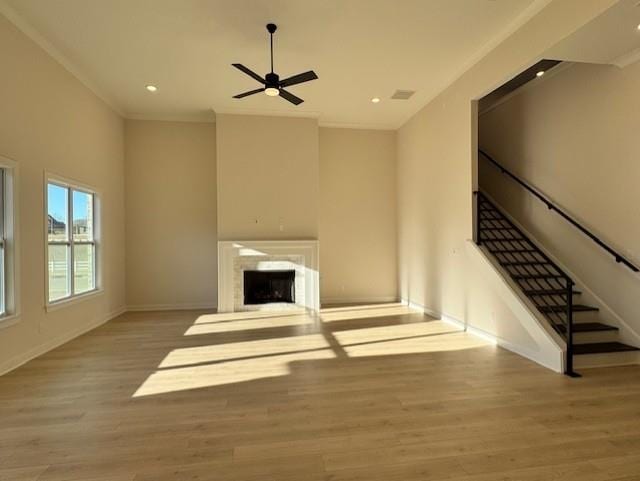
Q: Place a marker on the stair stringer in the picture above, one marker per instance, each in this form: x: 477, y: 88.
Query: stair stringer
x: 627, y: 334
x: 551, y: 348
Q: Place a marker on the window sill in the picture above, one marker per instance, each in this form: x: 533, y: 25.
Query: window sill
x: 9, y: 320
x: 69, y: 301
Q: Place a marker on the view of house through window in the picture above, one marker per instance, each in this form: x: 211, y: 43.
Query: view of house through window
x: 72, y: 246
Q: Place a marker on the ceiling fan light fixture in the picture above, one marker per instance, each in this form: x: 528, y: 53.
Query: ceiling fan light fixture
x: 271, y: 83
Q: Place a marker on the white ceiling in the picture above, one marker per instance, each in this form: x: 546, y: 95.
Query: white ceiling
x: 359, y: 48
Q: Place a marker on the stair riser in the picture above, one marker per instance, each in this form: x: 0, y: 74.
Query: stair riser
x: 606, y: 359
x: 587, y: 316
x: 595, y: 336
x: 582, y: 316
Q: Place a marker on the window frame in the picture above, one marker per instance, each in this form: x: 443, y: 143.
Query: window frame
x: 10, y: 308
x: 72, y: 186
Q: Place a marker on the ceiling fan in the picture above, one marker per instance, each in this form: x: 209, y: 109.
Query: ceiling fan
x: 273, y: 86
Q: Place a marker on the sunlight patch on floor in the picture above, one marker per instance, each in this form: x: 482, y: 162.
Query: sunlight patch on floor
x: 213, y: 325
x: 209, y: 375
x: 238, y: 350
x: 345, y: 314
x: 419, y: 337
x: 235, y: 362
x: 245, y: 315
x: 385, y: 333
x: 455, y: 341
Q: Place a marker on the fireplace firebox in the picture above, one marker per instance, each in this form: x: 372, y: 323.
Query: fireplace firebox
x: 265, y: 287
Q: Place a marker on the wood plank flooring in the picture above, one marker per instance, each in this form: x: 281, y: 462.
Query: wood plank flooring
x: 375, y: 393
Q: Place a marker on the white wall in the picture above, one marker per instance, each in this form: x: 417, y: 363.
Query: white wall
x: 50, y: 122
x: 574, y: 136
x: 436, y: 176
x: 268, y: 177
x: 358, y: 215
x: 171, y: 214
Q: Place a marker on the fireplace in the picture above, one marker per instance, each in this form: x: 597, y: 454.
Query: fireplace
x: 270, y: 286
x: 299, y: 257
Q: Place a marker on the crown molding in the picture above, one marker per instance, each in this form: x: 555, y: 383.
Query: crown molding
x: 627, y: 59
x: 27, y: 29
x: 268, y: 113
x: 355, y: 125
x: 209, y: 117
x: 522, y: 18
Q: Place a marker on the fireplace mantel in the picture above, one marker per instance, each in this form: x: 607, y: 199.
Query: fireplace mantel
x: 234, y: 257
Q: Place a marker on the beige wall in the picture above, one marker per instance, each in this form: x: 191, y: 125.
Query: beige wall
x: 357, y: 215
x: 268, y: 177
x: 574, y: 136
x: 51, y: 122
x: 171, y: 214
x: 436, y: 175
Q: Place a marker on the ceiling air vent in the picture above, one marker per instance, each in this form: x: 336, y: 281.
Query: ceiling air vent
x: 403, y: 94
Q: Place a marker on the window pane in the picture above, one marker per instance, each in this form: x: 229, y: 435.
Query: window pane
x: 83, y: 268
x: 57, y: 202
x: 58, y: 272
x: 82, y: 216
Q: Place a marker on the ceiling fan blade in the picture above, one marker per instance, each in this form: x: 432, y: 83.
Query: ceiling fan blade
x: 249, y: 72
x: 298, y: 79
x: 290, y: 97
x: 246, y: 94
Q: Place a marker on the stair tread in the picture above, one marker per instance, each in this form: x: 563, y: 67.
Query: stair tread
x: 548, y: 292
x: 524, y: 263
x: 511, y: 239
x: 538, y: 276
x: 561, y: 308
x: 493, y: 227
x: 588, y: 327
x: 512, y: 251
x: 602, y: 347
x: 576, y: 308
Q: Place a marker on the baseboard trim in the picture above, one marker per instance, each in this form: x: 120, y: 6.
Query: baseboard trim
x: 17, y: 361
x: 484, y: 335
x: 171, y: 307
x: 358, y: 300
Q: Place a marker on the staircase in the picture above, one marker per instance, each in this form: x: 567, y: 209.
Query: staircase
x: 590, y: 341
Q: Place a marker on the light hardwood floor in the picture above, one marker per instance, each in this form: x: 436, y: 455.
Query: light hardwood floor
x: 371, y: 394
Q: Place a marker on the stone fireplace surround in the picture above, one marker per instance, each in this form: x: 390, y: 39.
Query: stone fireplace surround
x: 234, y: 257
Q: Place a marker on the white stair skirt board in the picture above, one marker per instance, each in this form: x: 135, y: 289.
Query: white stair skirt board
x: 234, y: 257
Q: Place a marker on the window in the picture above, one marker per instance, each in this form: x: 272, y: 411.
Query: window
x: 8, y: 274
x: 71, y: 249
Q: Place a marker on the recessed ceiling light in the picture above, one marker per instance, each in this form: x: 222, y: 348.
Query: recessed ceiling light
x: 638, y: 27
x: 151, y: 88
x: 540, y: 73
x: 375, y: 100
